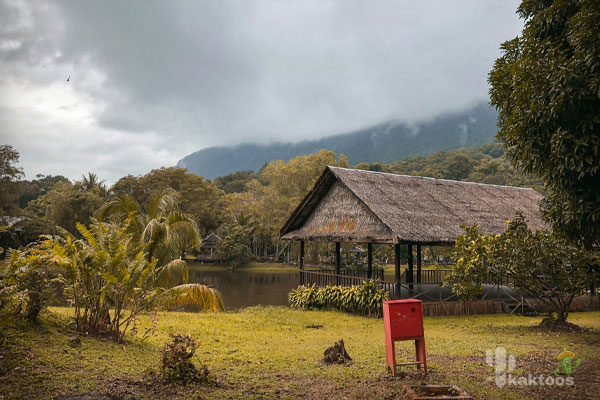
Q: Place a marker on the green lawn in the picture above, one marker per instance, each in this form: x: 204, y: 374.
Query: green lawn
x: 268, y: 352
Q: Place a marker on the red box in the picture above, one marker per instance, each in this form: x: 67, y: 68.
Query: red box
x: 403, y: 319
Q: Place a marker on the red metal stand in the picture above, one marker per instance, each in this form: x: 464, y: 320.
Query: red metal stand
x: 403, y: 320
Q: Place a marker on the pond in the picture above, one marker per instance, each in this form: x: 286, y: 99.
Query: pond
x: 243, y: 288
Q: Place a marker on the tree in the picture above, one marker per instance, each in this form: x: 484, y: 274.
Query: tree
x: 9, y: 157
x: 546, y: 87
x: 92, y: 182
x: 158, y: 224
x: 164, y: 231
x: 66, y: 205
x: 459, y: 167
x: 541, y: 265
x: 235, y: 182
x: 197, y: 197
x: 235, y: 246
x: 31, y: 190
x: 110, y: 279
x: 10, y: 173
x: 26, y: 281
x: 282, y: 185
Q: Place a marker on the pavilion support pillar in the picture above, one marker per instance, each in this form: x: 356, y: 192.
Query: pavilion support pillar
x: 338, y: 257
x: 419, y: 262
x: 338, y: 261
x: 369, y: 260
x: 410, y: 272
x: 397, y: 271
x: 302, y: 262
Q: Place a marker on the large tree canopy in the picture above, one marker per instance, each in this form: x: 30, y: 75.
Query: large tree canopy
x: 9, y: 174
x: 546, y: 87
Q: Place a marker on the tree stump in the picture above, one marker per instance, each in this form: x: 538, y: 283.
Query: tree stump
x: 336, y: 354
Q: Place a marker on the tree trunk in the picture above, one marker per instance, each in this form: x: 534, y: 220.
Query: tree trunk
x: 336, y: 354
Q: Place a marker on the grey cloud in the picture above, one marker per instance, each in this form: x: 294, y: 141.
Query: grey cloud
x: 194, y: 74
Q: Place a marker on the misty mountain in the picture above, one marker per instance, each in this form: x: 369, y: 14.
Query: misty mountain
x: 386, y: 142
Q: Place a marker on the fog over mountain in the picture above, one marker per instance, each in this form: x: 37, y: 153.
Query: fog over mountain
x: 150, y: 82
x: 385, y: 142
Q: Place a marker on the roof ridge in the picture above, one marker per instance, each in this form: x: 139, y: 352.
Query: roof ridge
x: 428, y: 178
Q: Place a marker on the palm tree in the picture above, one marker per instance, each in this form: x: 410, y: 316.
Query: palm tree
x: 165, y: 231
x: 92, y: 181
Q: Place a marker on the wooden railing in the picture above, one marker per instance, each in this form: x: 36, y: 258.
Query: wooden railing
x: 432, y: 278
x: 324, y: 279
x: 376, y: 274
x: 427, y: 276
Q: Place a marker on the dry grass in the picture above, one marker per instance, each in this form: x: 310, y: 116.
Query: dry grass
x: 274, y: 352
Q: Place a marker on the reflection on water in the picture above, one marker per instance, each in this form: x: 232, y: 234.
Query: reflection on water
x: 243, y: 289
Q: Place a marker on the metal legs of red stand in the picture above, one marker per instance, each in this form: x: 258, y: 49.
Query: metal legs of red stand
x: 421, y: 357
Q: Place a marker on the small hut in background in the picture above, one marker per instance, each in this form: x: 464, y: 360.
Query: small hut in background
x: 207, y: 248
x: 355, y: 206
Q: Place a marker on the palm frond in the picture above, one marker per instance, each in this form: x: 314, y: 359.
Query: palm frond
x: 194, y: 296
x: 161, y: 202
x: 122, y: 207
x: 173, y: 273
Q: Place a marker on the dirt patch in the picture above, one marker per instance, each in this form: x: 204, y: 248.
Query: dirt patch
x: 586, y: 378
x: 551, y: 324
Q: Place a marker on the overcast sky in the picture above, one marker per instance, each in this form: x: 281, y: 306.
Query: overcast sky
x: 153, y: 81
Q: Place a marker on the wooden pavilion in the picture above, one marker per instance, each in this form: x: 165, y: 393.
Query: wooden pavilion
x: 207, y: 247
x: 348, y: 205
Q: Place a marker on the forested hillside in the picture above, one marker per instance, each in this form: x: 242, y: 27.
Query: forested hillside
x: 484, y: 164
x: 258, y: 202
x: 386, y: 142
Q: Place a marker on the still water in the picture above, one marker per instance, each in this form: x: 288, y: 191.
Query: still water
x: 247, y: 288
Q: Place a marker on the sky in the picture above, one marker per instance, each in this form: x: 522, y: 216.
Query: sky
x: 150, y: 82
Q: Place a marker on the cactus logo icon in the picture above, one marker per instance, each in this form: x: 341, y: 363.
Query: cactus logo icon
x: 566, y: 366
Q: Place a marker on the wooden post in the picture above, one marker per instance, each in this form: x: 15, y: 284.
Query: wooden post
x: 302, y: 262
x: 369, y: 260
x: 419, y: 261
x: 410, y: 276
x: 338, y: 258
x: 397, y: 271
x: 338, y: 261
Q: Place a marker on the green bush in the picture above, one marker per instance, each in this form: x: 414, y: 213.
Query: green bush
x: 365, y: 299
x: 26, y: 283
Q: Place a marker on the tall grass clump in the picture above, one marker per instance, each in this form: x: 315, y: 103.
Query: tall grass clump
x: 365, y: 299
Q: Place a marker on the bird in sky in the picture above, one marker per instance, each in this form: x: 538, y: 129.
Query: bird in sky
x: 69, y: 78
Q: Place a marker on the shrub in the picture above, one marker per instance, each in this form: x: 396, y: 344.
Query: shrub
x: 176, y: 365
x: 304, y: 297
x: 541, y: 265
x: 365, y: 299
x: 25, y: 282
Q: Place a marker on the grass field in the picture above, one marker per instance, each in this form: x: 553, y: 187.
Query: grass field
x: 274, y: 352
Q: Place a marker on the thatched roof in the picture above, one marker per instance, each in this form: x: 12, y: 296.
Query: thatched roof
x: 362, y: 206
x: 210, y: 241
